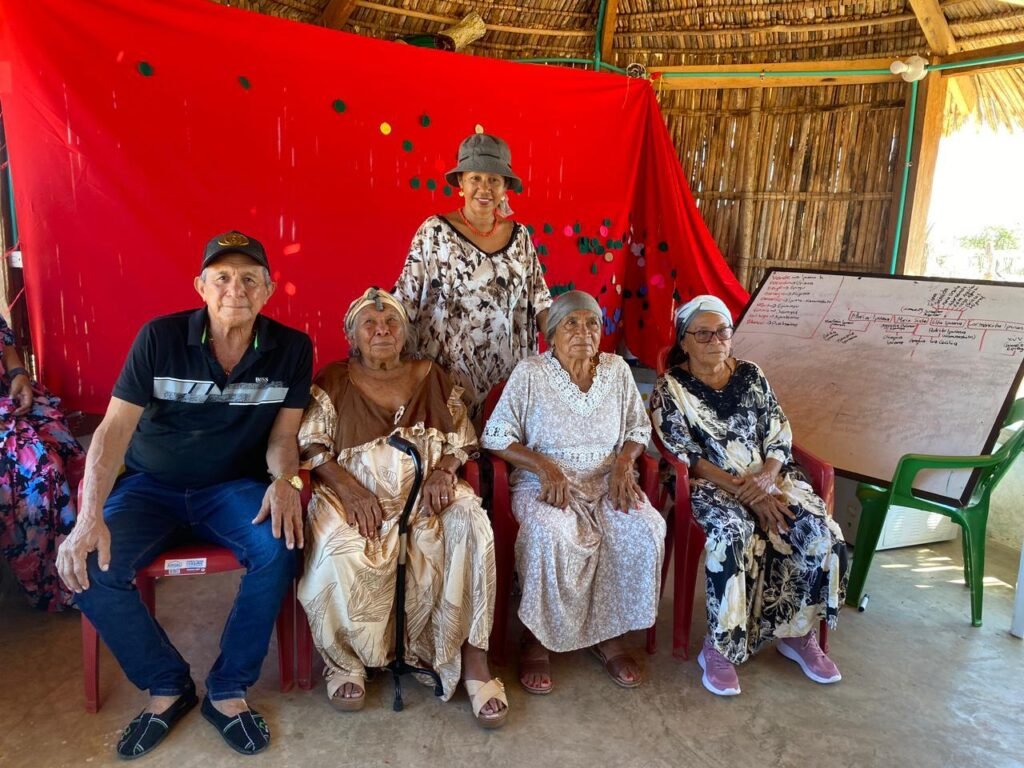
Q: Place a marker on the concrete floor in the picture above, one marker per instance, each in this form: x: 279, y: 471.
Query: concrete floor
x: 921, y: 688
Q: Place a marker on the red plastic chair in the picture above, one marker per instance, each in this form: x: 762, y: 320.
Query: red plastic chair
x: 685, y: 535
x: 506, y: 529
x: 189, y: 560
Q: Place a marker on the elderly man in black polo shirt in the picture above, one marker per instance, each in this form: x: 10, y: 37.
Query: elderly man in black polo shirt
x: 207, y: 402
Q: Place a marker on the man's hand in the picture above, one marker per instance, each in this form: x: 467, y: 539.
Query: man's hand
x: 281, y: 504
x: 87, y: 536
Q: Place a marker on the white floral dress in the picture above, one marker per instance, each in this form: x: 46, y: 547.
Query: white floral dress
x: 759, y: 585
x: 475, y: 313
x: 589, y: 572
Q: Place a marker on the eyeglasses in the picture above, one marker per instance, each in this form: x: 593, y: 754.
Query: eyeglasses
x: 704, y: 336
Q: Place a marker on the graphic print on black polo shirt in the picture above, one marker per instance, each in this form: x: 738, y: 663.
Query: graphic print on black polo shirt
x: 199, y: 392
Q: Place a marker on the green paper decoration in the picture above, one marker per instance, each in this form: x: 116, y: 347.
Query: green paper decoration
x: 593, y: 269
x: 425, y: 120
x: 407, y: 145
x: 414, y: 182
x: 548, y: 229
x: 244, y: 82
x: 339, y: 106
x: 663, y: 246
x: 431, y: 185
x: 447, y: 191
x: 145, y: 68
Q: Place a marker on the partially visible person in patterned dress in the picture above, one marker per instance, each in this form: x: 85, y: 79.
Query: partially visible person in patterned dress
x: 776, y: 562
x: 360, y: 486
x: 590, y: 544
x: 36, y: 506
x: 472, y: 284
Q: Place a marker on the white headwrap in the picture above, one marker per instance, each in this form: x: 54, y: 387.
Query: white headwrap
x: 703, y: 303
x: 378, y: 299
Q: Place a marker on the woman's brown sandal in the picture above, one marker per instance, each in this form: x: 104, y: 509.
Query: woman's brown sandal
x: 615, y: 666
x: 536, y: 666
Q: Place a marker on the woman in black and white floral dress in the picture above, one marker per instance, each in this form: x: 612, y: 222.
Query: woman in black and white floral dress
x: 776, y: 562
x: 472, y: 285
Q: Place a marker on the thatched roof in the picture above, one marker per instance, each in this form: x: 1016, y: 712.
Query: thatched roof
x: 713, y: 32
x: 805, y: 176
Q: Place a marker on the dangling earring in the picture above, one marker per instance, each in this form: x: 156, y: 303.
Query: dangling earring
x: 461, y: 193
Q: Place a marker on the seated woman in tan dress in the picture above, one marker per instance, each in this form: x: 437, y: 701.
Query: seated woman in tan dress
x: 590, y: 544
x: 360, y: 485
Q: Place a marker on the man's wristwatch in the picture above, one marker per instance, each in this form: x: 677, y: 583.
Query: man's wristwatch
x: 294, y: 481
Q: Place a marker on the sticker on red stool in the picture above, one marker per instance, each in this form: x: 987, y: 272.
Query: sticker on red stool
x: 185, y: 566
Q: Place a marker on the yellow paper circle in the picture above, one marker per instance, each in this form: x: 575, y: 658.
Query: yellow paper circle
x: 385, y: 128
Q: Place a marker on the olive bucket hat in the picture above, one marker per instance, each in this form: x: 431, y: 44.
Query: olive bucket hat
x: 484, y: 153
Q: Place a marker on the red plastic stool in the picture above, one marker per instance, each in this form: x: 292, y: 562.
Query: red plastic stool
x: 188, y: 560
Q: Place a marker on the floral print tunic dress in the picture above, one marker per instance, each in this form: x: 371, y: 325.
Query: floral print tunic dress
x: 475, y: 313
x: 759, y: 585
x: 589, y: 572
x: 37, y: 510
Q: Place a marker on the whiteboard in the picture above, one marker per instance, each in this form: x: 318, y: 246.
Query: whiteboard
x: 869, y: 368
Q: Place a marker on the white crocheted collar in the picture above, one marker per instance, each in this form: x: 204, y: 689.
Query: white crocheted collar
x: 579, y: 402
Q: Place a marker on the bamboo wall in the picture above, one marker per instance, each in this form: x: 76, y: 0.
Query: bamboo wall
x: 817, y: 169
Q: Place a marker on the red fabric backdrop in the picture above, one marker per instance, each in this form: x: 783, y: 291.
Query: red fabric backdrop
x: 139, y: 130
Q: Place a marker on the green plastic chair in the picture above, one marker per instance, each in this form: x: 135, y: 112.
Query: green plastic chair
x: 972, y: 518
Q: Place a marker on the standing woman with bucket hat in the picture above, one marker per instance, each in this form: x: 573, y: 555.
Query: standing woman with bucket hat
x: 472, y: 284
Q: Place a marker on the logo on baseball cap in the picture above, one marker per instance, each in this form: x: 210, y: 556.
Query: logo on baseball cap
x: 235, y: 242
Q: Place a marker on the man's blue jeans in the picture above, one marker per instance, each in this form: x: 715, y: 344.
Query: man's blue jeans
x: 146, y: 518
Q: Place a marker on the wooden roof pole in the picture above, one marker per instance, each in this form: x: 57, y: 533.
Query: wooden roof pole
x: 786, y: 75
x: 931, y: 109
x: 607, y: 31
x: 979, y: 54
x: 931, y: 112
x: 934, y: 26
x: 337, y: 13
x: 751, y: 152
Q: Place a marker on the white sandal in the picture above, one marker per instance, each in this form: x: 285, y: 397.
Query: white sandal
x: 480, y: 693
x: 336, y: 682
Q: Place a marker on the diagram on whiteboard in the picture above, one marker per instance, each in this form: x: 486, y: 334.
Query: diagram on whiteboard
x: 869, y: 368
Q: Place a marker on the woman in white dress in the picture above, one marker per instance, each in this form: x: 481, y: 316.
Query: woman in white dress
x: 590, y: 544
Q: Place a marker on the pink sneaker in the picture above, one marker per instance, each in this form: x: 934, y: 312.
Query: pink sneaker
x: 719, y: 674
x: 806, y: 652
